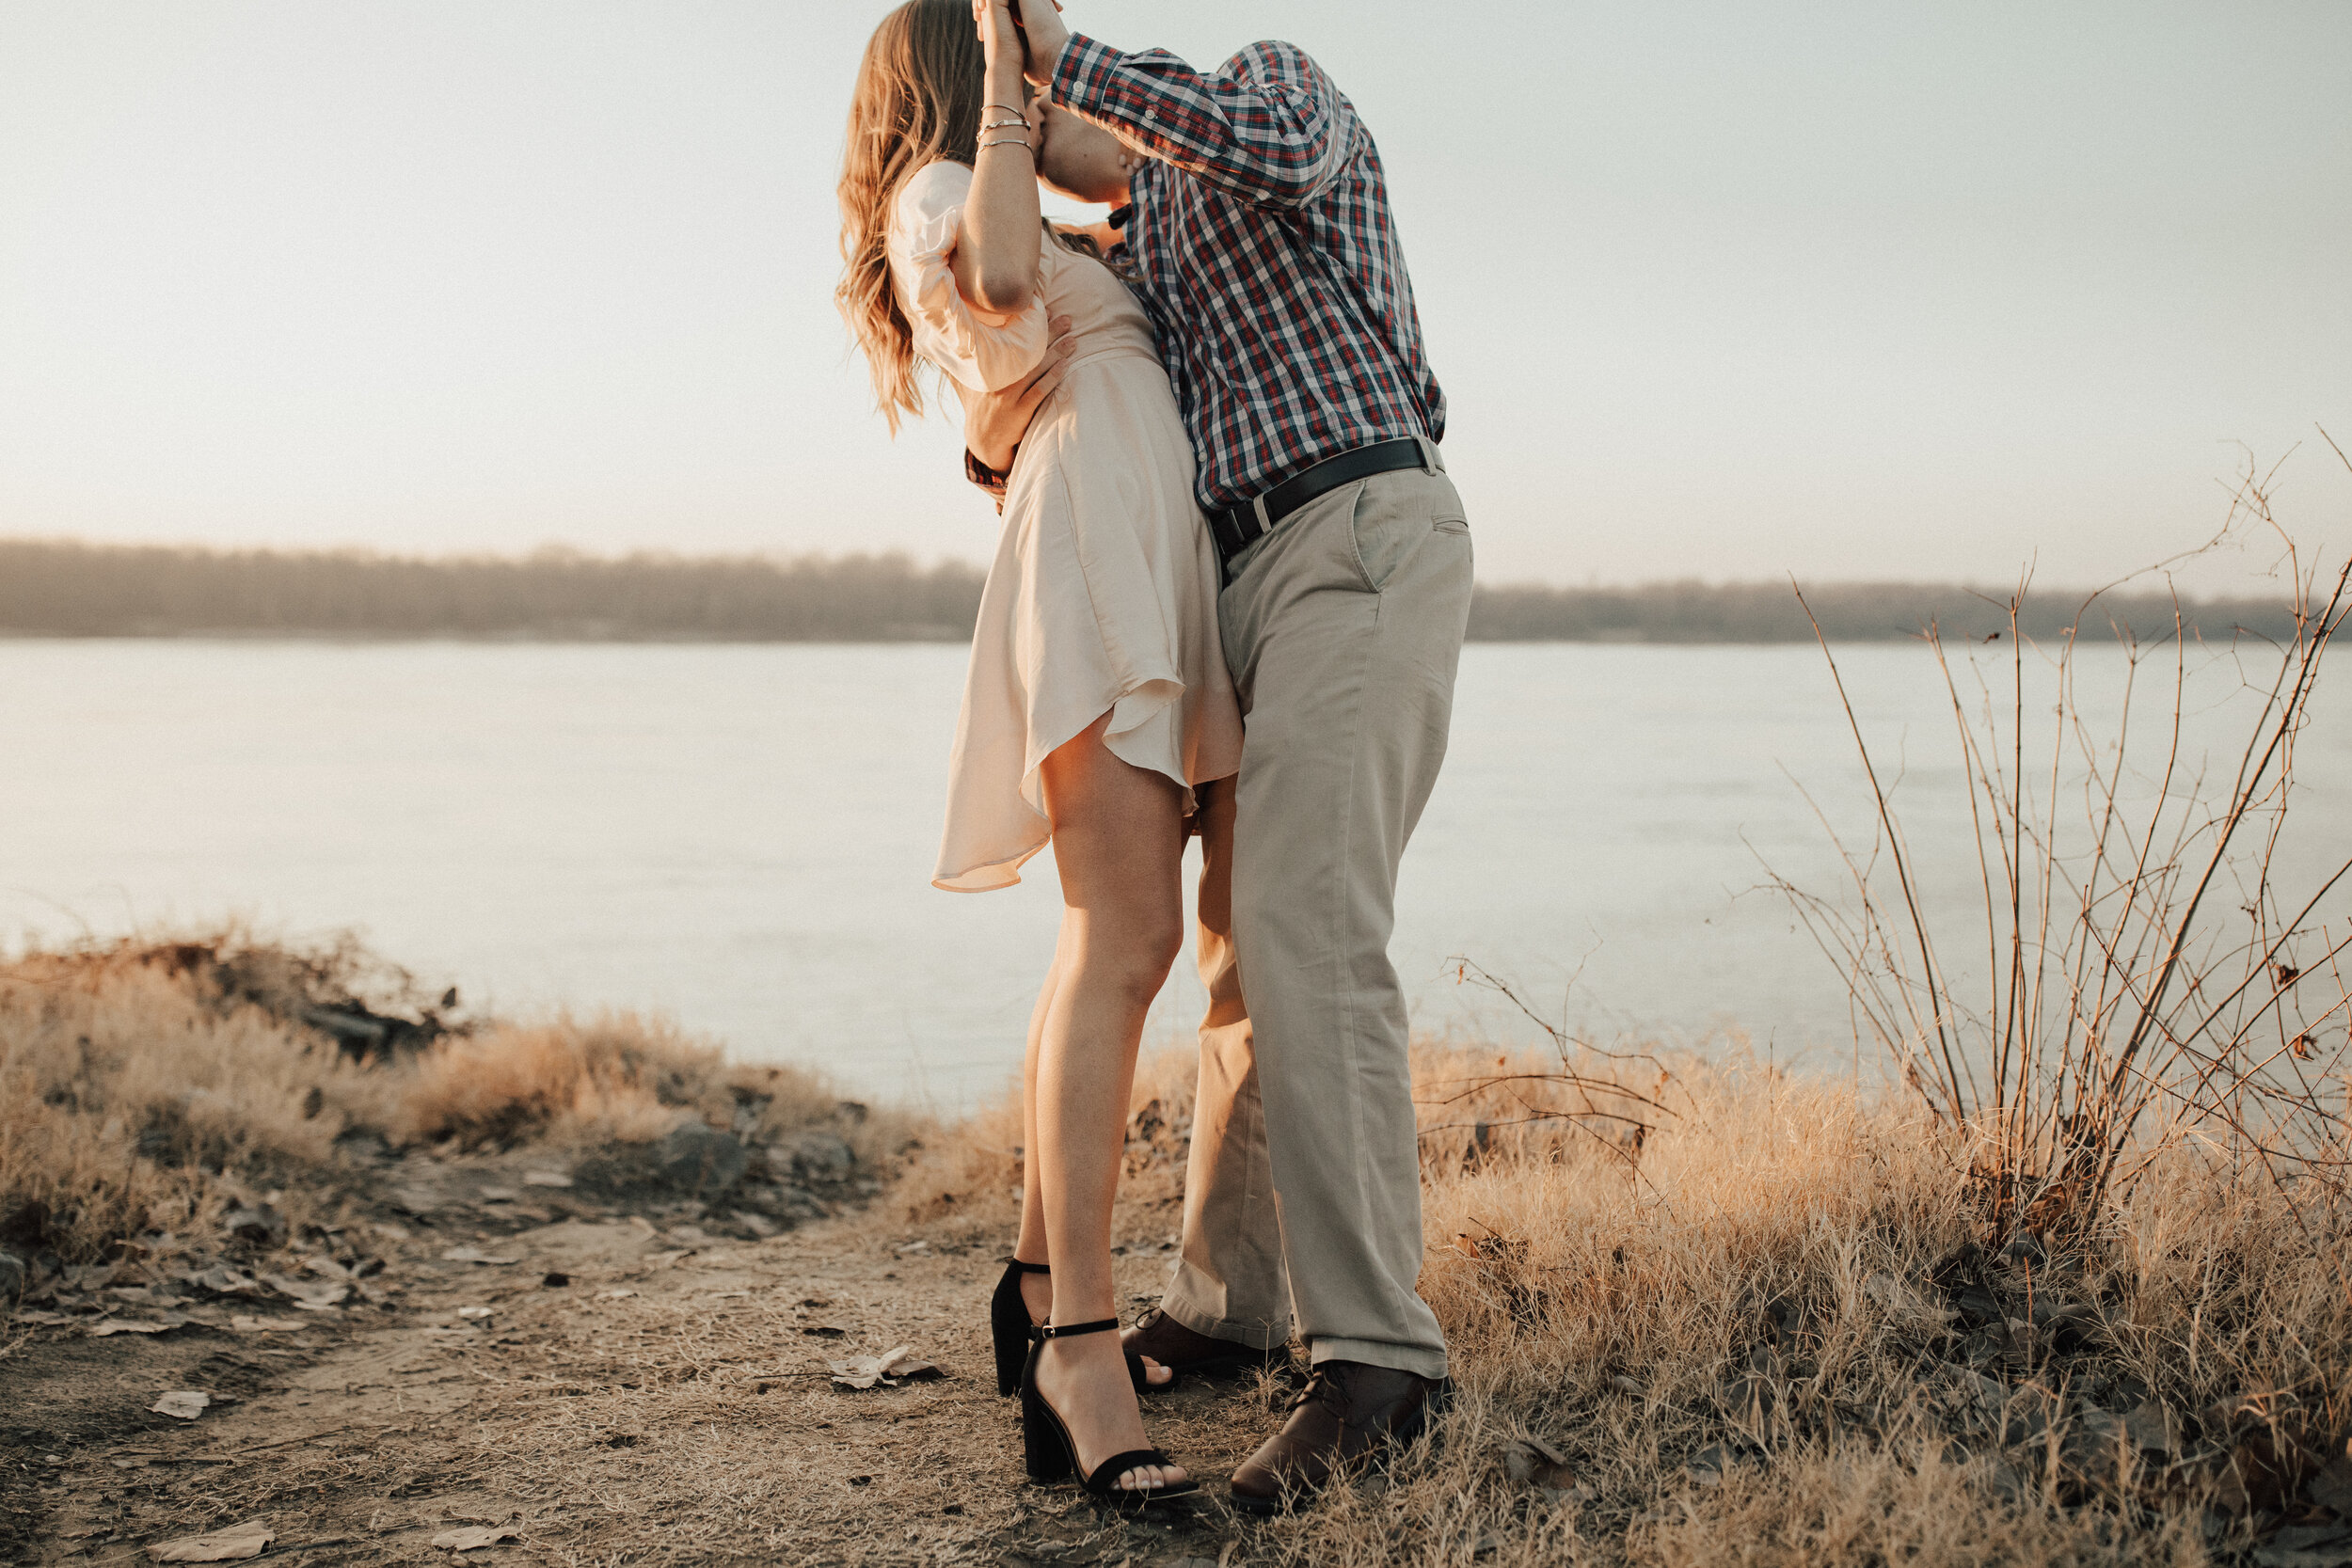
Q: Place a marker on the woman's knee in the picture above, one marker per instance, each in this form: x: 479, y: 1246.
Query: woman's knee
x: 1133, y: 954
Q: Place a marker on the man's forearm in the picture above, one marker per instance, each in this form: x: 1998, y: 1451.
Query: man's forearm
x: 1271, y: 138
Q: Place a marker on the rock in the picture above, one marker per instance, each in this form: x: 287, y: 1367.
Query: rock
x: 749, y: 1110
x: 820, y: 1154
x: 2150, y: 1429
x: 2328, y: 1545
x: 2030, y: 1411
x: 1709, y: 1466
x: 2065, y: 1325
x: 2331, y: 1488
x: 1901, y: 1303
x: 255, y: 1224
x: 696, y: 1157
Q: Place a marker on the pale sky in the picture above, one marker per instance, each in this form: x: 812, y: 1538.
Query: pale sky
x: 1724, y: 289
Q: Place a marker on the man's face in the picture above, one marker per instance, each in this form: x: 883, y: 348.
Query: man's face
x: 1077, y: 158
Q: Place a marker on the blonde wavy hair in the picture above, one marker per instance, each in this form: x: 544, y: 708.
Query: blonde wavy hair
x: 919, y: 93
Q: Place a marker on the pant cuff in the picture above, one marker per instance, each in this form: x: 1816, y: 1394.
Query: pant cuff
x: 1420, y: 1360
x: 1257, y: 1334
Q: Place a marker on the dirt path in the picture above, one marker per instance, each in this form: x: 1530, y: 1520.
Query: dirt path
x: 633, y: 1396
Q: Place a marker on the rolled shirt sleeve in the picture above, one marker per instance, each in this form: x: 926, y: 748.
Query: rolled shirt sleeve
x: 1269, y: 133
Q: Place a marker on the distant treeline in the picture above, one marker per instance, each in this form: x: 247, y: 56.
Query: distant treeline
x: 64, y: 588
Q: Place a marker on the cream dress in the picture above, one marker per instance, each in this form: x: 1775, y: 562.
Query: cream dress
x: 1103, y: 595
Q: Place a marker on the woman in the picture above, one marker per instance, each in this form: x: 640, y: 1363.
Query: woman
x: 1097, y: 703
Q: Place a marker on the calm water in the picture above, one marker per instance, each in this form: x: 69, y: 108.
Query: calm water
x: 740, y: 835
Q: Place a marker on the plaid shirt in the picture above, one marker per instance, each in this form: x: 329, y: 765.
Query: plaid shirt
x: 1269, y: 263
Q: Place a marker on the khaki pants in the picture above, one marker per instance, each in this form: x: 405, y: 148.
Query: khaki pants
x: 1342, y: 628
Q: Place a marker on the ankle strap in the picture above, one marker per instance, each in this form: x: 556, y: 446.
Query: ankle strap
x: 1017, y: 1266
x: 1056, y: 1331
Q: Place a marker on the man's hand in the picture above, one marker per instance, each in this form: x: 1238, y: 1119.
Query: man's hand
x: 993, y: 422
x: 1041, y: 19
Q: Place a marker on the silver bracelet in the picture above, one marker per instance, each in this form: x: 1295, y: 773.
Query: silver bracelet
x: 1007, y: 107
x: 1010, y: 141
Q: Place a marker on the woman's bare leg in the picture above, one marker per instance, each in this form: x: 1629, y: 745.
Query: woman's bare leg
x: 1036, y: 1290
x: 1118, y: 845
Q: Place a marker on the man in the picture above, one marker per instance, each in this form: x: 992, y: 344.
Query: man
x: 1259, y: 230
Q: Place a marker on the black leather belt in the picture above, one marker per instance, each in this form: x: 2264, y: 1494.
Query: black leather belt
x: 1237, y: 527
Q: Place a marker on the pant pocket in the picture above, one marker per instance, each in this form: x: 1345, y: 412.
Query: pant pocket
x: 1385, y: 534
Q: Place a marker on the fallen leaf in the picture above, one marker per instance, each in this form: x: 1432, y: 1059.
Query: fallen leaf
x: 474, y: 1536
x: 471, y: 1255
x: 186, y: 1405
x: 545, y: 1178
x: 311, y: 1295
x: 476, y: 1313
x: 1709, y: 1466
x: 1898, y: 1300
x: 898, y: 1362
x: 164, y: 1325
x: 859, y: 1372
x: 614, y: 1295
x: 1534, y: 1464
x: 902, y: 1364
x: 222, y: 1546
x: 222, y: 1281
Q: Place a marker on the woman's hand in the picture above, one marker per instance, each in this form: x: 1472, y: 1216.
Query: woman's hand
x: 993, y: 422
x: 1041, y: 20
x: 1000, y: 34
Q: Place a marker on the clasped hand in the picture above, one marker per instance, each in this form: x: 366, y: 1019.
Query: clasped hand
x: 1041, y: 25
x: 993, y: 422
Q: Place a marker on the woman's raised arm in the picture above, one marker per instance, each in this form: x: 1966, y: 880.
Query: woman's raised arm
x: 996, y: 265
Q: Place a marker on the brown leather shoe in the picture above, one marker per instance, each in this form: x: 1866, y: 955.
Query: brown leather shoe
x: 1348, y: 1411
x: 1184, y: 1350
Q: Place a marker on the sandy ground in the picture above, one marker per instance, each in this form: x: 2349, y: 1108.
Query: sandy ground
x: 670, y: 1401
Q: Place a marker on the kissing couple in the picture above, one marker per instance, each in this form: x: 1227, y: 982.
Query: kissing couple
x: 1227, y: 599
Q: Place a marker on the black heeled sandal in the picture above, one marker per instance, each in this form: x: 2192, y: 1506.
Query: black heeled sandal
x: 1052, y: 1454
x: 1009, y: 1322
x: 1009, y: 1326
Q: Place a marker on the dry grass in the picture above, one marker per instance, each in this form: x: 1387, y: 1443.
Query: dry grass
x: 1722, y: 1295
x: 147, y: 1085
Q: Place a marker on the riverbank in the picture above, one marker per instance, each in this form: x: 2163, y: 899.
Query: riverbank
x: 68, y: 588
x: 588, y: 1283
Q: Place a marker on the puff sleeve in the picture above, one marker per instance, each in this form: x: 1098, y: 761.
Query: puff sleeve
x: 981, y: 348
